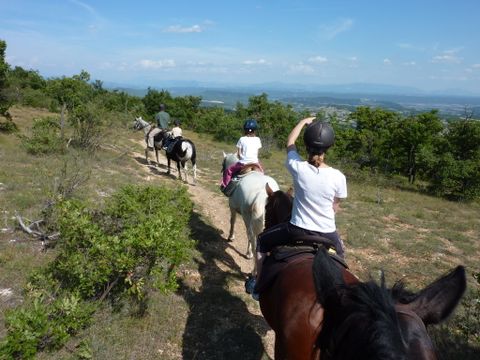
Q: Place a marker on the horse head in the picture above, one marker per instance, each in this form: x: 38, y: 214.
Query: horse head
x: 139, y: 123
x: 278, y: 208
x: 365, y: 320
x: 228, y: 160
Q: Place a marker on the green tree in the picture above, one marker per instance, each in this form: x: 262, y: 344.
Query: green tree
x: 27, y: 87
x: 4, y: 101
x: 186, y: 109
x: 409, y: 137
x: 370, y: 144
x: 454, y: 163
x: 70, y: 92
x: 154, y: 98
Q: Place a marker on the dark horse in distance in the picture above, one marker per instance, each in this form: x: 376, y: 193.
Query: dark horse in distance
x: 319, y: 310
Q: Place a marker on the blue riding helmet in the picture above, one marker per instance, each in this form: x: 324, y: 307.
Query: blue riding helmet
x: 250, y: 125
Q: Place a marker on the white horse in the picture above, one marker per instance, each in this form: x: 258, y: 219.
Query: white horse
x: 140, y: 124
x: 249, y: 199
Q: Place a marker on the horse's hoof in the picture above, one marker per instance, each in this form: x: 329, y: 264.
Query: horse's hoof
x: 231, y: 238
x: 249, y: 256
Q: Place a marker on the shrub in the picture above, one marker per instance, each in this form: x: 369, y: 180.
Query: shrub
x: 45, y: 137
x: 8, y: 127
x: 134, y: 243
x: 43, y: 325
x: 139, y: 237
x: 87, y: 121
x: 36, y: 98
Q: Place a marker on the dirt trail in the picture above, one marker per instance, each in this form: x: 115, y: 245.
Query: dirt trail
x: 214, y: 207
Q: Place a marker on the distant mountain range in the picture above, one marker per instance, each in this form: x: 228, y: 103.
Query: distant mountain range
x: 311, y: 97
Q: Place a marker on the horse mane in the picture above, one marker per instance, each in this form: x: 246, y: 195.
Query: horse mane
x: 360, y: 321
x: 278, y: 208
x: 363, y: 325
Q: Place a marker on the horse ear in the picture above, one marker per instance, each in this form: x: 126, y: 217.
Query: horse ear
x: 268, y: 189
x: 438, y: 300
x: 224, y: 155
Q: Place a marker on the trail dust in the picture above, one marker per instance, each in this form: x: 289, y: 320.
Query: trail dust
x: 214, y: 207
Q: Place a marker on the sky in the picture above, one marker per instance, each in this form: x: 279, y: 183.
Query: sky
x: 424, y: 44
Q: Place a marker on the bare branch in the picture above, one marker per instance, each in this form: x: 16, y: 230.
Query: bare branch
x: 39, y: 234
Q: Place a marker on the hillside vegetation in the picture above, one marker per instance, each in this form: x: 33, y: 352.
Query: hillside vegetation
x: 108, y: 284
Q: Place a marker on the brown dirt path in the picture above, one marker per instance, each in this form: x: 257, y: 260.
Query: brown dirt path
x: 214, y: 207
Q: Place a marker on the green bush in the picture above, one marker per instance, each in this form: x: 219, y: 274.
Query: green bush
x: 43, y: 325
x: 120, y: 252
x: 36, y: 98
x: 8, y: 127
x: 139, y: 237
x: 45, y: 137
x: 87, y: 121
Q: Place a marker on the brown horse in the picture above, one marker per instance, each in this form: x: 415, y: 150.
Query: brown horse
x: 319, y: 310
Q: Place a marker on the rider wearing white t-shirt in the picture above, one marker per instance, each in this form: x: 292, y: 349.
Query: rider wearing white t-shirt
x: 318, y: 190
x: 315, y: 191
x: 247, y: 151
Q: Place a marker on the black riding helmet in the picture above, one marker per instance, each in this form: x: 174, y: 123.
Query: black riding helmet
x: 318, y: 137
x: 250, y: 125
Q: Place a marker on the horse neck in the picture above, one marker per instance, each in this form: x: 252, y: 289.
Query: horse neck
x: 278, y: 209
x: 229, y: 160
x: 146, y: 128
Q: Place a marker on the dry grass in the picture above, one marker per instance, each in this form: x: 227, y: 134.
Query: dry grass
x: 404, y: 233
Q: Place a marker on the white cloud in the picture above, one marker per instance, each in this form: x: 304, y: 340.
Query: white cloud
x: 476, y: 66
x: 301, y: 68
x: 410, y: 63
x: 330, y: 31
x: 183, y: 30
x: 157, y: 64
x: 448, y: 57
x: 387, y: 61
x: 255, y: 62
x: 318, y: 59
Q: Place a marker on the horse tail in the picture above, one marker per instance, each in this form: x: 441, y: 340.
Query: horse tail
x: 257, y: 213
x: 193, y: 157
x: 326, y: 276
x: 187, y: 149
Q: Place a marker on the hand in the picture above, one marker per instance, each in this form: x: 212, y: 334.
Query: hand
x: 308, y: 120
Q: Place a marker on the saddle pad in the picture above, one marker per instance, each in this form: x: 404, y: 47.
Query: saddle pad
x: 230, y: 188
x: 171, y: 144
x: 271, y: 268
x: 283, y: 256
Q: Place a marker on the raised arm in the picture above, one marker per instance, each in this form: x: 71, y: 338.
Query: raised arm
x: 292, y: 137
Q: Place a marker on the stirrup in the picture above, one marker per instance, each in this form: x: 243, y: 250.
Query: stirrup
x: 250, y: 285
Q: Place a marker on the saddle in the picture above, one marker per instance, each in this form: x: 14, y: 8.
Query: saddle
x: 244, y: 171
x: 171, y: 143
x: 248, y: 168
x: 300, y: 249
